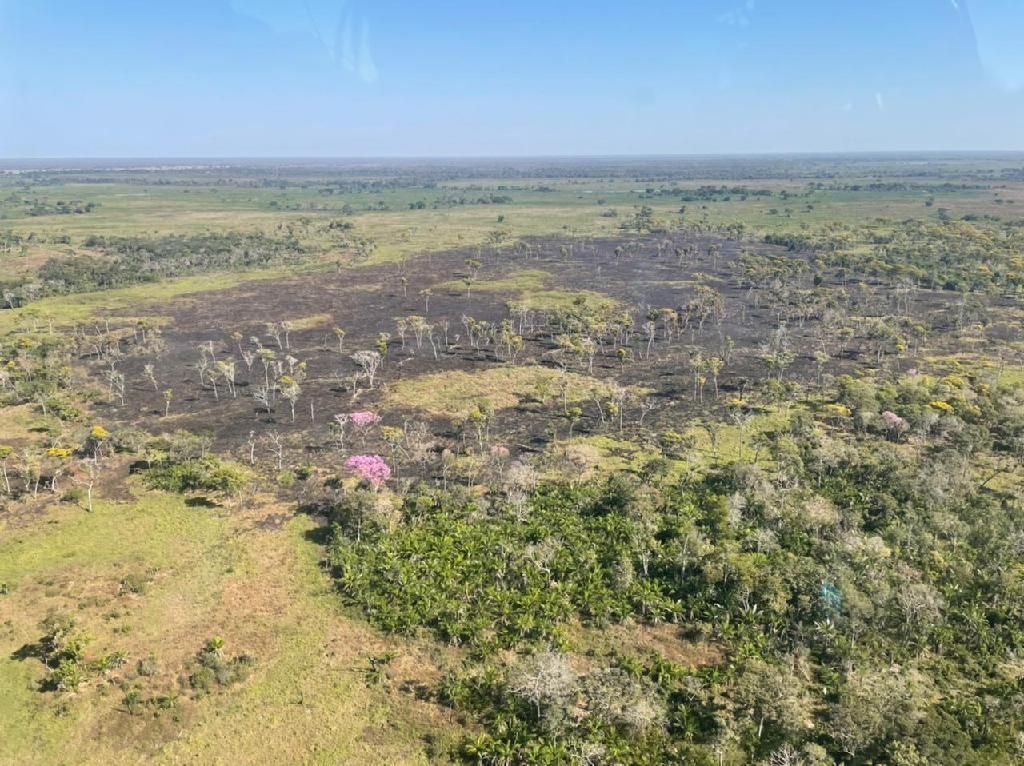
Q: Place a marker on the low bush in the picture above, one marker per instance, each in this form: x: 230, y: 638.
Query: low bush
x: 197, y: 474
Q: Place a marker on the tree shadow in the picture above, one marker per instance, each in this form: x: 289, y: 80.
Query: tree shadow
x: 28, y: 652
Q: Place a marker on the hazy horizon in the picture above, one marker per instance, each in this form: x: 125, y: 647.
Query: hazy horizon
x: 183, y: 160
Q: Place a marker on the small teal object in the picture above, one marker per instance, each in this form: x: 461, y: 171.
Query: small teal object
x: 831, y: 596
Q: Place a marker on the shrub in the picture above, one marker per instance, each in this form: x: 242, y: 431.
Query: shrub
x: 213, y: 668
x: 147, y: 666
x: 198, y: 474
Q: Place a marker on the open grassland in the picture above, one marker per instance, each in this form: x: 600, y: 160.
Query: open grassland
x: 390, y: 222
x: 155, y: 577
x: 455, y: 394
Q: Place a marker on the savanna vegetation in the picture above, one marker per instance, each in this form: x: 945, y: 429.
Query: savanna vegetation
x: 605, y: 462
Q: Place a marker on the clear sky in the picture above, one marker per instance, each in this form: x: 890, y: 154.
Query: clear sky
x: 348, y: 78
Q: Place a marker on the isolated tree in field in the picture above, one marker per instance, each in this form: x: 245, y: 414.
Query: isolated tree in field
x: 708, y: 303
x: 425, y: 294
x: 419, y: 328
x: 98, y: 436
x: 472, y: 269
x: 276, y: 444
x: 714, y: 251
x: 249, y: 358
x: 168, y: 395
x: 339, y: 335
x: 88, y: 482
x: 30, y: 468
x: 213, y: 375
x: 651, y: 329
x: 267, y: 358
x: 618, y: 396
x: 150, y: 372
x: 714, y: 367
x: 226, y: 367
x: 273, y: 329
x: 57, y: 464
x: 290, y: 390
x: 402, y: 326
x: 695, y: 358
x: 363, y: 421
x: 339, y: 424
x: 573, y: 415
x: 264, y: 395
x: 369, y: 362
x: 117, y: 384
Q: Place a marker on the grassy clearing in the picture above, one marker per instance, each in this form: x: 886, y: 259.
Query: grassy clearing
x: 455, y: 394
x: 550, y: 300
x: 699, y: 446
x: 74, y: 561
x: 530, y: 288
x: 246, y: 575
x: 311, y: 322
x: 16, y: 423
x: 67, y: 309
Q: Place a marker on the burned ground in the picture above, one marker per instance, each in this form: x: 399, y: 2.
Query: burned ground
x: 628, y: 276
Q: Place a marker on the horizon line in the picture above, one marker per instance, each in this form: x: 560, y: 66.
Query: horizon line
x: 183, y: 158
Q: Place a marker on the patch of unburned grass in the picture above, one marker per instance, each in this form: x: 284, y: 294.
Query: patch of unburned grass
x: 457, y: 393
x: 710, y: 443
x: 697, y: 447
x: 311, y: 322
x: 549, y: 300
x: 17, y: 422
x: 67, y: 309
x: 530, y: 289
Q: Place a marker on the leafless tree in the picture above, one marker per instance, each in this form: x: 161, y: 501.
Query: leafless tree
x: 277, y: 448
x: 369, y: 362
x: 150, y: 372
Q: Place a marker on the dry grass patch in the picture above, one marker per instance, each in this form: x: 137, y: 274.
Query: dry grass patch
x: 311, y: 322
x: 457, y: 393
x: 204, y: 572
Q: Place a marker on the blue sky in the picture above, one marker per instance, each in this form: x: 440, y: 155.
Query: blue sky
x: 193, y: 78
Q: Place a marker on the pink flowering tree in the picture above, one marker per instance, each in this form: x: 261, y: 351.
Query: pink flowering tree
x: 894, y: 423
x: 372, y: 469
x: 363, y: 422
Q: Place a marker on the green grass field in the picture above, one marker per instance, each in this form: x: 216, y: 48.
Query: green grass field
x: 207, y: 572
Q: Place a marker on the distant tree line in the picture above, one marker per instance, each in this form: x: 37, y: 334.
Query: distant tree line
x: 126, y: 261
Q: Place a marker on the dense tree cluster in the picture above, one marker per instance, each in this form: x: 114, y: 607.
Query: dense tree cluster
x: 121, y: 261
x: 867, y: 591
